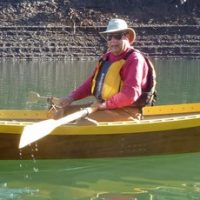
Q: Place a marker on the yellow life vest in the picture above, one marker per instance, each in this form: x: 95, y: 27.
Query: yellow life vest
x: 107, y: 81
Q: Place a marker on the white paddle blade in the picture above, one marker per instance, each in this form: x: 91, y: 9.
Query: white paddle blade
x: 34, y: 132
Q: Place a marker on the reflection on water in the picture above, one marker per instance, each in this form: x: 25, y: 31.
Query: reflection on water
x: 9, y: 193
x: 55, y: 78
x: 177, y: 80
x: 170, y: 177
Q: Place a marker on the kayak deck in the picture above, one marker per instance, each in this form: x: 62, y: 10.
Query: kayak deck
x: 108, y: 115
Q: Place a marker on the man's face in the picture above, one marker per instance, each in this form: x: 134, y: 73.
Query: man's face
x: 117, y: 42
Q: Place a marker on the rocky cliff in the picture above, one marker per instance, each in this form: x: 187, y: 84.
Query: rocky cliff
x: 69, y: 28
x: 97, y: 12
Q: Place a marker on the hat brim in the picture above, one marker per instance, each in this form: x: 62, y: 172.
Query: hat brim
x: 132, y: 34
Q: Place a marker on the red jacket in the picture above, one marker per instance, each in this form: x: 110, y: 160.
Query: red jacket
x: 134, y: 76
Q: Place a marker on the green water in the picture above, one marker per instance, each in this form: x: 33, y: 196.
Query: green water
x: 167, y: 177
x: 178, y: 80
x: 174, y: 177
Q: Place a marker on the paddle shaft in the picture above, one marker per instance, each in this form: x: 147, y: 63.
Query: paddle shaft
x: 75, y: 116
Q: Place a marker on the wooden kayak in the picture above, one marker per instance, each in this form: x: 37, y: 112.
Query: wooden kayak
x: 165, y: 129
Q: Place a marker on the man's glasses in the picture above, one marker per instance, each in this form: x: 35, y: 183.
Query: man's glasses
x: 117, y: 36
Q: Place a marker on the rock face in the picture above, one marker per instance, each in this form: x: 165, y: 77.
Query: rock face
x: 90, y: 12
x: 69, y: 28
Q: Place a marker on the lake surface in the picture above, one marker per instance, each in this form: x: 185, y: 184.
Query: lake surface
x: 174, y: 177
x: 167, y: 177
x: 178, y: 80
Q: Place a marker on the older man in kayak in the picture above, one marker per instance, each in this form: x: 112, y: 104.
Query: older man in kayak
x: 120, y: 75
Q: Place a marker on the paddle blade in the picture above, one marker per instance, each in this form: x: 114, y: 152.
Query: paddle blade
x: 34, y: 132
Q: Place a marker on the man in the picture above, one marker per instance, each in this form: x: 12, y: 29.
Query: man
x: 120, y: 75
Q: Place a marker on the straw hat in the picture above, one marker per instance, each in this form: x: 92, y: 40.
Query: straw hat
x: 119, y: 25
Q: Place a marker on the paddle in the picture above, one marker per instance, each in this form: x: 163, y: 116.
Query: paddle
x: 36, y: 131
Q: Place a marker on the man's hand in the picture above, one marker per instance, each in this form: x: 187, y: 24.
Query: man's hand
x: 99, y: 105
